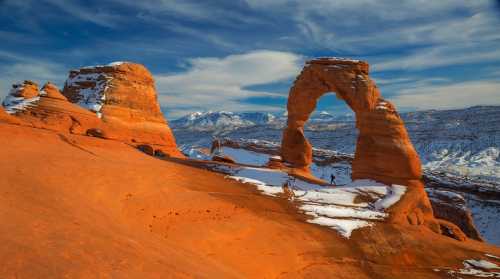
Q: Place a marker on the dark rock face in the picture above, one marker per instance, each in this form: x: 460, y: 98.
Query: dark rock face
x: 148, y: 149
x: 224, y: 159
x: 452, y: 207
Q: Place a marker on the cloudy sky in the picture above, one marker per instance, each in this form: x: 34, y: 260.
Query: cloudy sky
x: 242, y: 55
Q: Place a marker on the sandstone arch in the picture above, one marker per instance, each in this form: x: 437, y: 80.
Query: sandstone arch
x: 383, y: 149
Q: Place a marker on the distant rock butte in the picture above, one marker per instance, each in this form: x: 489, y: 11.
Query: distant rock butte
x: 118, y: 100
x: 123, y: 95
x: 383, y: 150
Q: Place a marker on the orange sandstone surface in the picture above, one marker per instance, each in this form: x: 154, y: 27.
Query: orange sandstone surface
x: 81, y: 207
x: 383, y: 149
x: 123, y: 95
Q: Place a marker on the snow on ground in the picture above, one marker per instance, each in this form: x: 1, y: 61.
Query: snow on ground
x: 343, y: 208
x: 485, y: 214
x: 245, y: 156
x: 354, y: 205
x: 194, y: 152
x: 484, y: 164
x: 478, y: 268
x: 341, y: 170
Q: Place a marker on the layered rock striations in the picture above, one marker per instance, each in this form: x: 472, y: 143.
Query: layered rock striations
x: 48, y: 109
x: 123, y: 95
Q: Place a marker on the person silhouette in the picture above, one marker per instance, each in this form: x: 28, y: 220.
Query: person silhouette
x: 332, y: 179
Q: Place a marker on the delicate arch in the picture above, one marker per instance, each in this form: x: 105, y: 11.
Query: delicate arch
x: 383, y: 149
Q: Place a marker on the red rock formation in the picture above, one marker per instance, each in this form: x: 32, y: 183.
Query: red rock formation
x: 7, y: 118
x: 124, y: 97
x: 49, y: 109
x: 383, y: 150
x: 452, y: 207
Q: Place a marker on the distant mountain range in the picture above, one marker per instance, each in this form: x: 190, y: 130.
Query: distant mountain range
x: 463, y: 142
x: 226, y: 121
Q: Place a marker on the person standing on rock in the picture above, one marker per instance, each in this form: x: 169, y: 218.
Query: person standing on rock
x: 332, y: 180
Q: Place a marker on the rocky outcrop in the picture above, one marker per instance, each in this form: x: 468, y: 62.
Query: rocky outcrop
x: 21, y: 96
x: 123, y: 95
x: 7, y: 118
x: 383, y: 150
x: 117, y: 102
x: 452, y: 207
x: 48, y: 109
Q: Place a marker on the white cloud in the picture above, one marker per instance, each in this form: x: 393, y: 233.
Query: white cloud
x: 457, y: 95
x: 200, y: 11
x: 437, y: 33
x: 73, y: 8
x: 440, y: 56
x: 220, y: 83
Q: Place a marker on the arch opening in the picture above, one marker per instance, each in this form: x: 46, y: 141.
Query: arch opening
x: 331, y: 127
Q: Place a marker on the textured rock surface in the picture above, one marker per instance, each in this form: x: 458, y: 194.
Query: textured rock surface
x: 74, y: 206
x: 21, y: 96
x: 7, y: 118
x: 123, y: 95
x: 27, y: 89
x: 452, y: 207
x: 383, y: 150
x: 49, y: 109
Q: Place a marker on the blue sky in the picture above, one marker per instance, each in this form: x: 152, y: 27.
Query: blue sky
x: 242, y: 55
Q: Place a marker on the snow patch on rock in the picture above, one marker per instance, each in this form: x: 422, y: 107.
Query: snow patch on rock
x: 91, y: 98
x: 478, y: 268
x: 339, y: 208
x: 12, y: 103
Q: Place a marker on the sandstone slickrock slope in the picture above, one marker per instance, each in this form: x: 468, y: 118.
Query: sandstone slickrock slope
x: 123, y: 95
x: 83, y: 207
x: 5, y: 117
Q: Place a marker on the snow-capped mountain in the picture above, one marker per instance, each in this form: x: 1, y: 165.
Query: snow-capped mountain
x: 221, y: 120
x: 464, y: 142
